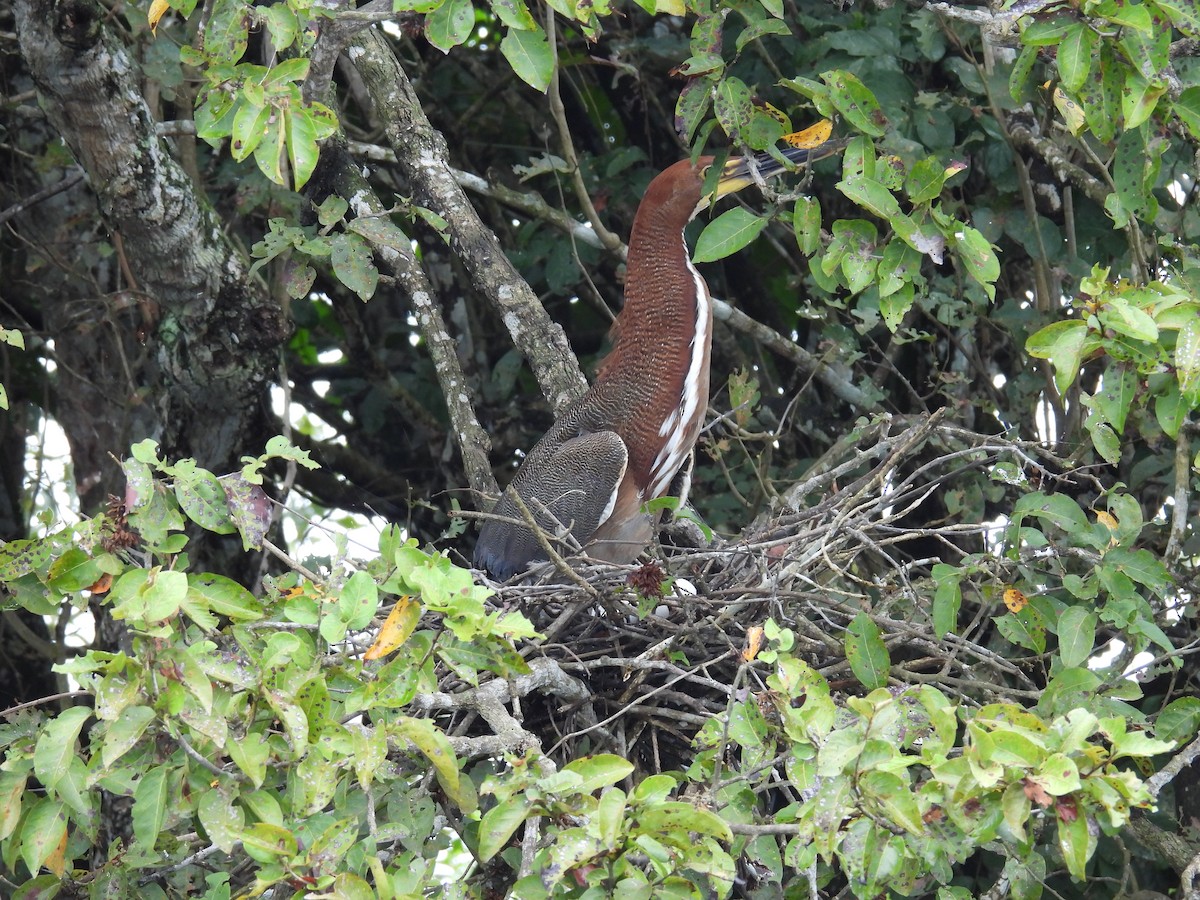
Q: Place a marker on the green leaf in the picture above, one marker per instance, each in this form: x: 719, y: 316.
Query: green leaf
x: 1115, y: 397
x: 226, y: 37
x: 271, y: 152
x: 1046, y: 33
x: 610, y: 817
x: 1076, y: 635
x: 281, y: 23
x: 653, y: 789
x: 1059, y: 509
x: 76, y: 569
x: 925, y: 179
x: 893, y: 794
x: 1187, y: 108
x: 978, y: 258
x: 249, y: 127
x: 500, y: 823
x: 163, y: 593
x: 1059, y: 775
x: 806, y: 222
x: 1074, y: 843
x: 692, y: 106
x: 1178, y: 721
x: 530, y: 55
x: 1184, y: 15
x: 265, y: 842
x: 1018, y: 78
x: 514, y: 14
x: 1122, y: 316
x: 1187, y: 362
x: 573, y: 847
x: 250, y: 755
x: 947, y: 598
x: 332, y: 845
x: 202, y: 499
x: 1008, y: 748
x: 56, y: 745
x: 733, y: 106
x: 289, y: 71
x: 1105, y: 440
x: 814, y: 91
x: 450, y: 24
x: 866, y: 652
x: 358, y: 600
x: 1140, y: 744
x: 44, y: 830
x: 599, y: 771
x: 223, y: 821
x: 150, y: 804
x: 348, y: 886
x: 1069, y: 689
x: 353, y: 264
x: 681, y: 818
x: 1026, y: 875
x: 755, y: 30
x: 434, y: 744
x: 895, y: 306
x: 1017, y: 807
x: 1063, y: 344
x: 124, y: 732
x: 1135, y: 170
x: 855, y: 101
x: 1075, y: 56
x: 872, y: 196
x: 1025, y: 629
x: 12, y: 787
x: 300, y: 133
x: 1171, y: 411
x: 224, y: 596
x: 13, y: 337
x: 728, y: 233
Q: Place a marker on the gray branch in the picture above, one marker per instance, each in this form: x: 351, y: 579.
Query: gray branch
x: 489, y: 699
x: 393, y: 248
x: 422, y: 157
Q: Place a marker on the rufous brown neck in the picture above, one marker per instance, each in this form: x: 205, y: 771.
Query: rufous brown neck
x: 657, y: 372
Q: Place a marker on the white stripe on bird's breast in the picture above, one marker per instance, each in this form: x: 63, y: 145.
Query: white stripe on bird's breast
x: 680, y: 426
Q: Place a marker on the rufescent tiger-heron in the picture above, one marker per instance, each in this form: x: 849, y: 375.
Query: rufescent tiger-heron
x: 629, y: 439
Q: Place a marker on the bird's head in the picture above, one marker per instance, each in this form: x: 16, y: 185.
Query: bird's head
x: 686, y: 188
x: 739, y: 172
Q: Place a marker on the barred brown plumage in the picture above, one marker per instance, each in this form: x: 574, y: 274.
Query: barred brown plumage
x: 629, y: 439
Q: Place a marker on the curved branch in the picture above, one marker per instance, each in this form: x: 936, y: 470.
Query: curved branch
x: 422, y: 156
x: 395, y: 251
x: 488, y: 700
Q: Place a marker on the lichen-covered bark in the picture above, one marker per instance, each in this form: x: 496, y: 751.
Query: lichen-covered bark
x: 190, y: 337
x: 395, y: 254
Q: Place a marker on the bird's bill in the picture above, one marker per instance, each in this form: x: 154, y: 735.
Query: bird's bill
x: 738, y: 171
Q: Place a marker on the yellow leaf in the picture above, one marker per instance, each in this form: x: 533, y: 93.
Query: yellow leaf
x: 1015, y: 600
x: 812, y: 136
x: 400, y: 623
x: 754, y: 636
x: 776, y: 114
x: 1108, y: 520
x: 56, y: 862
x: 671, y: 7
x: 1071, y: 112
x: 158, y: 9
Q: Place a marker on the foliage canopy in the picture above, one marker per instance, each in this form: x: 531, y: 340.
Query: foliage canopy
x: 943, y: 645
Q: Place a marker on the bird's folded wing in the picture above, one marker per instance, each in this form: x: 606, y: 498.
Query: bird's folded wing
x: 569, y: 487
